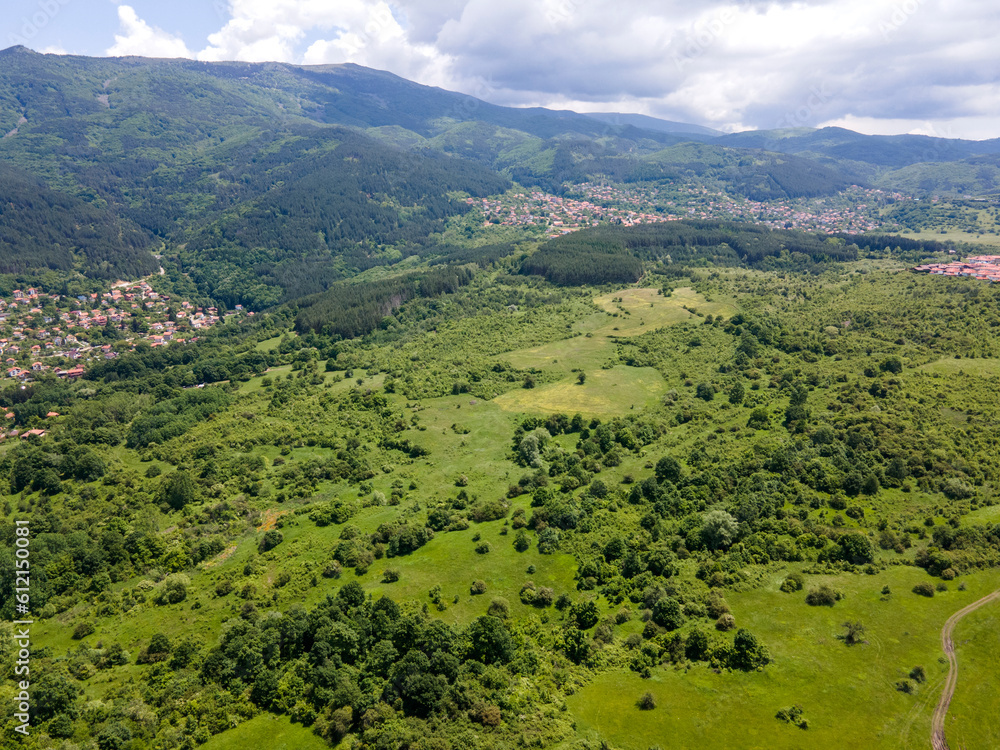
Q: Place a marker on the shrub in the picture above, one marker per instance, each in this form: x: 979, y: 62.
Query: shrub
x: 855, y: 633
x: 906, y: 686
x: 824, y: 596
x: 725, y: 622
x: 647, y: 702
x: 483, y: 548
x: 521, y: 541
x: 924, y: 589
x: 82, y: 630
x: 793, y: 715
x: 499, y: 608
x: 477, y: 587
x: 390, y: 575
x: 175, y: 589
x: 793, y: 583
x: 918, y: 674
x: 270, y: 540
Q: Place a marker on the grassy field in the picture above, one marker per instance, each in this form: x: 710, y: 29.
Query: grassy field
x: 954, y: 235
x: 974, y: 715
x: 952, y: 366
x: 848, y: 693
x: 270, y: 731
x: 605, y: 393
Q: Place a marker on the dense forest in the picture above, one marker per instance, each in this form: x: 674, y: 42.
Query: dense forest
x: 44, y: 229
x: 611, y: 254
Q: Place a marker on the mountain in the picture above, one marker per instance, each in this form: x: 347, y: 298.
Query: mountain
x: 269, y: 181
x: 880, y: 150
x: 653, y: 123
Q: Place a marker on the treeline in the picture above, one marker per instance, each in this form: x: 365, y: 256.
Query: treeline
x: 483, y: 256
x: 614, y: 254
x: 349, y: 310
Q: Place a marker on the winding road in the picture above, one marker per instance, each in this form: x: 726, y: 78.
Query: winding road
x: 938, y: 742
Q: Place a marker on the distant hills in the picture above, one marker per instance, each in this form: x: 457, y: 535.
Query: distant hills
x: 270, y: 180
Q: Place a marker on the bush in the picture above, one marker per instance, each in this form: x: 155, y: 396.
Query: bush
x: 521, y: 541
x: 175, y: 589
x: 918, y: 674
x: 477, y: 587
x: 725, y: 623
x: 855, y: 633
x: 793, y: 583
x: 82, y: 630
x: 483, y: 548
x: 647, y: 702
x: 390, y: 575
x: 924, y: 589
x: 824, y: 596
x: 270, y: 540
x: 499, y: 608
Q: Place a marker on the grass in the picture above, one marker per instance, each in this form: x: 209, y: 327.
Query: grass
x: 974, y: 714
x: 643, y: 308
x: 952, y: 366
x: 848, y: 693
x: 954, y: 235
x: 605, y: 393
x: 270, y: 731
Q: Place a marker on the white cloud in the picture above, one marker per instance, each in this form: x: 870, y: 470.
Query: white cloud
x: 725, y: 63
x: 139, y: 38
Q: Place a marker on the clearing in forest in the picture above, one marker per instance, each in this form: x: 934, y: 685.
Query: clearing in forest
x: 604, y: 393
x: 641, y: 310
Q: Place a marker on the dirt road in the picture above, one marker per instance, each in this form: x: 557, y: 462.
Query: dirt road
x: 938, y: 741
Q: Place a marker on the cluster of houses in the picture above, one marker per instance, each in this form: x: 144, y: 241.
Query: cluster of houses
x: 982, y: 267
x: 606, y: 203
x: 558, y: 215
x: 42, y: 332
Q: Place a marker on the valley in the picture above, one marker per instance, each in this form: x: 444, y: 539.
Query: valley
x: 532, y: 430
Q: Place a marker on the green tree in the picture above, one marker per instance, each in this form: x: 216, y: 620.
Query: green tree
x: 668, y: 469
x: 490, y: 641
x: 718, y: 529
x: 178, y: 489
x: 748, y: 653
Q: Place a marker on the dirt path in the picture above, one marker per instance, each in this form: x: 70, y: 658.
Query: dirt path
x: 938, y: 741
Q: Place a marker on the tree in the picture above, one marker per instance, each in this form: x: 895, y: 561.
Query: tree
x: 718, y: 529
x: 581, y: 378
x: 668, y: 469
x: 796, y: 411
x: 585, y: 614
x: 178, y: 489
x: 667, y: 613
x: 857, y: 549
x: 490, y: 641
x: 521, y: 541
x: 759, y: 419
x: 855, y: 633
x: 737, y: 393
x: 748, y: 652
x: 705, y: 391
x: 270, y: 540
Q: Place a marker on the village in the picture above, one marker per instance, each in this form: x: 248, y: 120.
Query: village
x: 587, y: 204
x: 51, y: 333
x: 982, y: 267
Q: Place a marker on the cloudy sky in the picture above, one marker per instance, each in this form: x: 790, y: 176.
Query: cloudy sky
x: 876, y: 66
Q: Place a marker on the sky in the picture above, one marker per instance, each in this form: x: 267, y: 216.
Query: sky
x: 875, y: 66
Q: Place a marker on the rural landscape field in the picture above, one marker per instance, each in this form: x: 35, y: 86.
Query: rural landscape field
x: 436, y: 426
